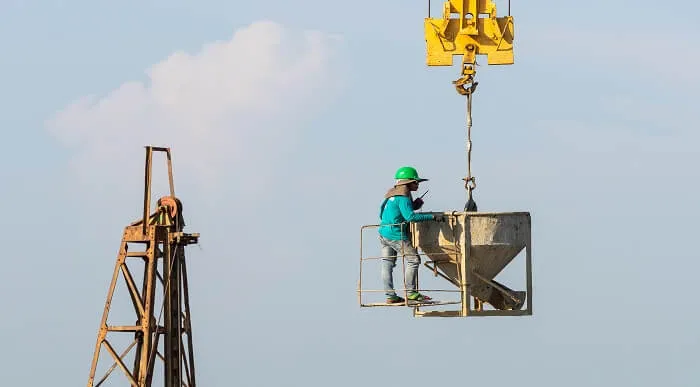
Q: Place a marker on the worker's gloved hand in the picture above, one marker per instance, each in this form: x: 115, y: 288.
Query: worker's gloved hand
x: 439, y: 217
x: 417, y: 204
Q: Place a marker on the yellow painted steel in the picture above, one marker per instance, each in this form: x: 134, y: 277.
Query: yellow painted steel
x: 469, y: 28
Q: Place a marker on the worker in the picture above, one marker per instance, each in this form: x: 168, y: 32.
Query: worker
x: 396, y: 211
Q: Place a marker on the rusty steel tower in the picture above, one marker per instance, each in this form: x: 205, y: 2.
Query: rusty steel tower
x: 160, y: 298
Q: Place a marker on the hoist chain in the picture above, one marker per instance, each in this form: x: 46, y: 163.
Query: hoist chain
x: 469, y: 181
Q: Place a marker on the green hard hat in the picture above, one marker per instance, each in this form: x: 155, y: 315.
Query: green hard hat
x: 408, y: 173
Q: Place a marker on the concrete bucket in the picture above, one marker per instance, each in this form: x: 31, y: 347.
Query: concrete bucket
x: 489, y: 241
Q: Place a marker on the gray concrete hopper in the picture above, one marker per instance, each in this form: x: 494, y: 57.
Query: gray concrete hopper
x: 489, y: 242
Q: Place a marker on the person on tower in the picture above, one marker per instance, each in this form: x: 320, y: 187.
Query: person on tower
x: 396, y: 211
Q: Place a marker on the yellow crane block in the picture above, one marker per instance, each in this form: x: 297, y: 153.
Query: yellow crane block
x: 469, y: 28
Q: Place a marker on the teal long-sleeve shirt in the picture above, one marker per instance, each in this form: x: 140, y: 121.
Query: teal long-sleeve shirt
x: 399, y: 209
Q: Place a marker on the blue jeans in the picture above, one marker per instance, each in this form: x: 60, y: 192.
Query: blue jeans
x: 390, y: 250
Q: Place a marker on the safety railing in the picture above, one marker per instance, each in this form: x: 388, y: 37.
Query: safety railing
x: 404, y: 290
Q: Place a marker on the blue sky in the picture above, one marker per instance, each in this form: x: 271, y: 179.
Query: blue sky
x: 282, y: 152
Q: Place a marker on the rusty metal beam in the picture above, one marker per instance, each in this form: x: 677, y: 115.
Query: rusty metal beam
x: 133, y: 292
x: 147, y: 189
x: 162, y: 234
x: 114, y: 365
x: 120, y: 362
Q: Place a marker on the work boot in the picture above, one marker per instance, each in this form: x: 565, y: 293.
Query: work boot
x: 415, y: 296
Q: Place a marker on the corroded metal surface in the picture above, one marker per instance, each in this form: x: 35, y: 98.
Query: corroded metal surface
x: 157, y: 237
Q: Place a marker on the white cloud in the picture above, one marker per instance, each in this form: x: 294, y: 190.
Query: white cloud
x: 228, y: 112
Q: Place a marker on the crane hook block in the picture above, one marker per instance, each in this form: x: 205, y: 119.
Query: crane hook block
x: 469, y: 28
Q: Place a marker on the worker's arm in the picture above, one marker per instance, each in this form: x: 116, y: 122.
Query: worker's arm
x: 406, y: 208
